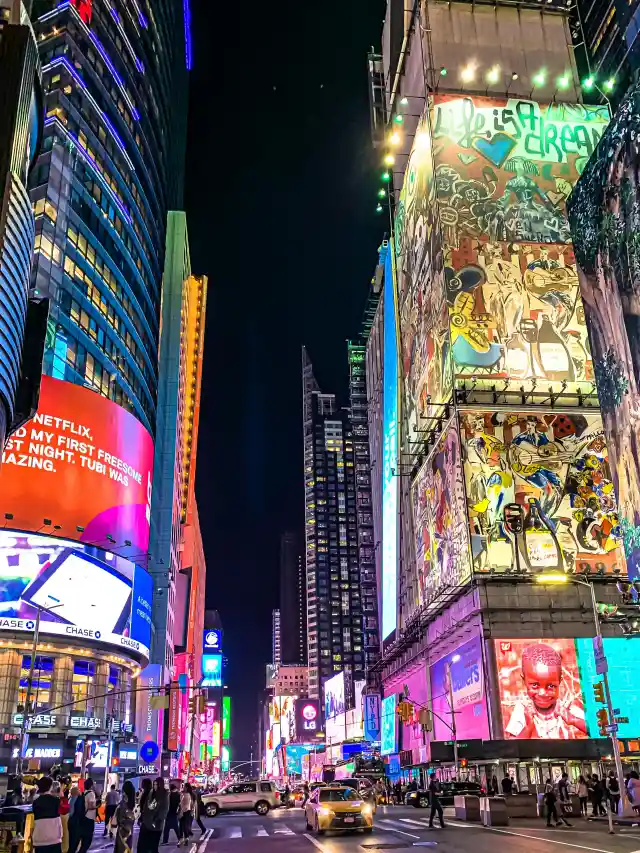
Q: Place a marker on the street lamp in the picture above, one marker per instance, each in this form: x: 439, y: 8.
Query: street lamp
x: 601, y: 666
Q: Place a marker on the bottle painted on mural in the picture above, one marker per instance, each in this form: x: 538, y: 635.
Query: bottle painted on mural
x: 541, y: 547
x: 552, y: 355
x: 517, y: 357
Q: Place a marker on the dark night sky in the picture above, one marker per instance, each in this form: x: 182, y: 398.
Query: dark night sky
x: 280, y: 197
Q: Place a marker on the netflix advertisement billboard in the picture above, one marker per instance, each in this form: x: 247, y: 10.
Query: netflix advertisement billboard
x: 82, y: 468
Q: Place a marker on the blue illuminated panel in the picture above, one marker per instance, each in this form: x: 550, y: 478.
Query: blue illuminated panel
x: 390, y: 454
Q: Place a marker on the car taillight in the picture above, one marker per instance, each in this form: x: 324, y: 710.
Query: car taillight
x: 277, y: 795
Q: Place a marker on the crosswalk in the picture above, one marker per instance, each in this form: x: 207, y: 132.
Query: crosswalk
x: 386, y: 828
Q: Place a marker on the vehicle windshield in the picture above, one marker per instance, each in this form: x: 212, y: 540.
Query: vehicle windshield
x: 337, y: 795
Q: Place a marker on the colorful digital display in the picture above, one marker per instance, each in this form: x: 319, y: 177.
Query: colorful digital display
x: 334, y: 700
x: 211, y: 641
x: 308, y: 719
x: 294, y: 755
x: 605, y: 218
x: 371, y: 714
x: 623, y: 659
x: 389, y: 721
x: 390, y: 454
x: 225, y: 764
x: 215, y: 739
x: 212, y: 670
x: 80, y: 590
x: 84, y: 466
x: 226, y: 717
x: 460, y: 674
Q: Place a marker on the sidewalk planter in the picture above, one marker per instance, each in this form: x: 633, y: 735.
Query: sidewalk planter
x: 522, y: 805
x: 467, y: 807
x: 493, y: 811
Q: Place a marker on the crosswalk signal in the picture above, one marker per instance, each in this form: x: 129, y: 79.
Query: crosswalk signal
x: 598, y: 692
x: 192, y: 705
x: 425, y: 718
x: 603, y: 720
x: 202, y: 704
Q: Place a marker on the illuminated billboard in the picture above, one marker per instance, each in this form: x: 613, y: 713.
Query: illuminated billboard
x: 623, y: 659
x: 308, y: 719
x: 460, y: 674
x: 80, y: 591
x: 389, y: 453
x: 226, y: 717
x: 84, y: 466
x: 211, y: 640
x: 212, y: 670
x: 215, y: 738
x: 389, y: 723
x: 334, y: 700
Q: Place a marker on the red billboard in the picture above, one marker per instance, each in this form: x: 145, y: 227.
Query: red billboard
x: 82, y: 468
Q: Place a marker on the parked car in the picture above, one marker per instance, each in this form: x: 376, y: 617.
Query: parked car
x: 259, y: 796
x: 420, y: 798
x: 337, y: 807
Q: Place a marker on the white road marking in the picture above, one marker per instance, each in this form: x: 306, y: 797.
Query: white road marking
x: 234, y: 832
x: 284, y: 831
x: 314, y: 841
x: 393, y: 823
x: 551, y: 840
x: 414, y: 822
x: 261, y: 831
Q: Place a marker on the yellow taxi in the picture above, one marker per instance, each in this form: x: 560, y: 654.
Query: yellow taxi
x: 338, y: 808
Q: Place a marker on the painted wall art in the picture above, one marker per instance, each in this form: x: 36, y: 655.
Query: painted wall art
x: 556, y: 468
x: 604, y: 211
x: 440, y: 525
x: 505, y: 168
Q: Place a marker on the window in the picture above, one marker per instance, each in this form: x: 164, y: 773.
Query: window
x: 84, y: 673
x: 40, y: 684
x: 265, y: 787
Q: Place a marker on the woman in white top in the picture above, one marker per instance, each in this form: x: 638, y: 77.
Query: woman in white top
x: 186, y: 816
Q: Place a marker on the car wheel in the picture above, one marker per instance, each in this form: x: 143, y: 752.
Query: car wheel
x: 212, y: 809
x: 317, y: 828
x: 423, y: 803
x: 262, y: 807
x: 307, y: 825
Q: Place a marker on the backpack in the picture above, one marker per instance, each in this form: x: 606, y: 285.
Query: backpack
x: 613, y: 786
x: 79, y: 808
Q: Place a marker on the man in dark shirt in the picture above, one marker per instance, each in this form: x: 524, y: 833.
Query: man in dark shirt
x: 172, y: 822
x: 507, y: 784
x: 436, y: 805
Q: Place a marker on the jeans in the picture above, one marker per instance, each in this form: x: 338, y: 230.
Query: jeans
x: 185, y: 824
x: 109, y: 812
x: 583, y: 805
x: 171, y: 823
x: 436, y: 806
x: 87, y: 827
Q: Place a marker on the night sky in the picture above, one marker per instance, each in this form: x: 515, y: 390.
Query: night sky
x: 280, y: 199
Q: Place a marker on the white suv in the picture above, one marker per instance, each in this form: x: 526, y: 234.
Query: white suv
x: 243, y: 797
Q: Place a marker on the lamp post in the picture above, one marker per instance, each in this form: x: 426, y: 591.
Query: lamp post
x: 454, y: 733
x: 601, y: 664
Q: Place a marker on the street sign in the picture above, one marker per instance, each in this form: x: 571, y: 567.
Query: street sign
x: 149, y: 751
x: 622, y: 720
x: 598, y: 653
x: 612, y: 728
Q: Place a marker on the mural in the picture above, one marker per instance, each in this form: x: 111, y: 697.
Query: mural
x: 555, y: 466
x: 604, y: 211
x: 505, y: 168
x: 442, y: 545
x: 422, y: 306
x: 516, y: 314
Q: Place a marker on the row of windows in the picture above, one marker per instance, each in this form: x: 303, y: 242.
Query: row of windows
x: 83, y: 678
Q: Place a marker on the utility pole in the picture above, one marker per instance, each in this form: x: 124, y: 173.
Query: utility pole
x: 454, y: 733
x: 26, y: 718
x: 108, y: 766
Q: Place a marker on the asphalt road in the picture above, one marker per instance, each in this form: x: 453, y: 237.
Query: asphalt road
x: 405, y: 830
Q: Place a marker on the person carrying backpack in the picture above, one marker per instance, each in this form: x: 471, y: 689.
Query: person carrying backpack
x: 613, y: 788
x: 436, y: 805
x: 84, y: 813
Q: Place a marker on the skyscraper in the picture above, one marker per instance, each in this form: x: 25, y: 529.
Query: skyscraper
x: 334, y: 603
x: 606, y: 44
x: 276, y: 638
x: 293, y: 600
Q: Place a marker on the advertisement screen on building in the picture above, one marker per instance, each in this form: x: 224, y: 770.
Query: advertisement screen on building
x: 83, y: 465
x: 334, y: 701
x: 226, y: 717
x: 389, y: 736
x: 80, y: 591
x: 460, y: 674
x: 215, y: 738
x: 294, y: 755
x: 371, y: 714
x: 308, y: 719
x: 212, y: 670
x: 623, y: 659
x: 211, y: 641
x: 389, y: 453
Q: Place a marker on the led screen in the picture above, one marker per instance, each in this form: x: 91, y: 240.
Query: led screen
x: 389, y: 738
x: 212, y: 670
x: 371, y: 713
x: 84, y: 464
x: 294, y: 755
x: 460, y: 674
x: 390, y: 454
x: 623, y: 658
x: 80, y: 590
x: 215, y: 738
x: 226, y: 717
x: 334, y: 702
x: 211, y: 640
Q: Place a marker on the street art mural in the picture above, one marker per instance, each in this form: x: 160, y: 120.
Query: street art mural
x: 505, y: 167
x: 516, y: 314
x: 555, y: 467
x: 440, y: 527
x: 422, y: 305
x: 604, y: 211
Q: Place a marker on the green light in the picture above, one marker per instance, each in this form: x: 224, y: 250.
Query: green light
x: 588, y: 83
x: 563, y: 82
x: 382, y: 193
x: 443, y: 71
x: 609, y: 84
x: 539, y: 78
x: 493, y: 75
x: 379, y: 209
x: 386, y: 176
x: 398, y: 119
x: 404, y: 102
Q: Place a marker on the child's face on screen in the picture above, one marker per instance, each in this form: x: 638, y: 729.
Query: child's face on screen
x: 542, y: 683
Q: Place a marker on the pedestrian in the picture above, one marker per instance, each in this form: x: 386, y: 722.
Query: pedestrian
x: 599, y: 793
x: 173, y: 815
x: 564, y: 795
x: 186, y: 813
x: 436, y: 805
x: 633, y: 789
x: 85, y: 808
x: 550, y: 803
x: 110, y: 805
x: 613, y: 787
x: 507, y: 785
x: 198, y: 809
x: 154, y: 812
x: 583, y: 795
x: 494, y: 789
x: 125, y: 819
x: 305, y: 794
x: 47, y: 824
x: 73, y: 824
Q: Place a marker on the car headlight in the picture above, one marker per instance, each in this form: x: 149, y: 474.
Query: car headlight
x: 326, y: 812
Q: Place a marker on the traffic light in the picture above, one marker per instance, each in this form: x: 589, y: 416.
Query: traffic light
x: 405, y: 711
x: 202, y: 704
x: 425, y: 718
x: 192, y: 704
x: 603, y: 720
x: 598, y: 692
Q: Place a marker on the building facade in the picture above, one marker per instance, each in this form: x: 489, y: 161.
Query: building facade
x: 293, y: 600
x: 494, y: 463
x: 276, y: 638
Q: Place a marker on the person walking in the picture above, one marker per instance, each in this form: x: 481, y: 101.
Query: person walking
x: 564, y: 795
x: 613, y: 788
x: 153, y: 816
x: 633, y: 789
x: 125, y: 819
x: 173, y: 815
x: 47, y: 823
x: 110, y: 805
x: 583, y: 795
x: 186, y: 817
x: 305, y: 794
x: 198, y: 809
x: 436, y: 805
x: 86, y: 809
x: 507, y: 785
x: 599, y: 793
x: 550, y: 799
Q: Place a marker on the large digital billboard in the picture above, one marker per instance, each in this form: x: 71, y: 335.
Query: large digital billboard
x: 389, y: 454
x: 460, y: 675
x: 389, y: 725
x: 80, y: 591
x: 82, y: 466
x: 623, y: 659
x: 308, y: 719
x: 212, y: 670
x: 226, y: 717
x: 334, y: 699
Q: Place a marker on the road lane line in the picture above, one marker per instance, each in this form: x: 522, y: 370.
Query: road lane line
x: 234, y: 832
x: 284, y: 831
x: 390, y: 825
x: 314, y: 841
x: 261, y: 831
x: 414, y: 822
x: 550, y: 840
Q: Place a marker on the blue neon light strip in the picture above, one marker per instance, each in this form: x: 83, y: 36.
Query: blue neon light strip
x: 48, y: 15
x: 125, y: 38
x: 187, y: 34
x: 103, y: 53
x: 62, y: 60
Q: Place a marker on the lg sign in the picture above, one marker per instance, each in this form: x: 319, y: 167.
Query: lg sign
x: 310, y: 714
x: 307, y: 719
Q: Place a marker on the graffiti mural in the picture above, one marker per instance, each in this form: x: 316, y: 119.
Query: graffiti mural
x: 505, y: 168
x: 604, y: 211
x: 516, y: 313
x: 422, y: 306
x: 440, y: 527
x: 556, y: 468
